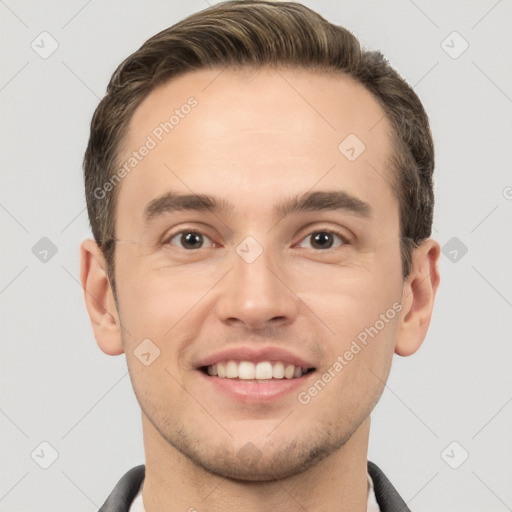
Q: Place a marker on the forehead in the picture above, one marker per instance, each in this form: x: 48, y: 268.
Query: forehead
x: 296, y: 101
x: 228, y: 132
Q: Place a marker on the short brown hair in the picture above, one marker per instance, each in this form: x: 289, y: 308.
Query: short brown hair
x: 257, y: 33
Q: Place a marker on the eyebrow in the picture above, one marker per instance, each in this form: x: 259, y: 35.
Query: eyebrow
x: 324, y: 201
x: 311, y: 201
x: 172, y: 202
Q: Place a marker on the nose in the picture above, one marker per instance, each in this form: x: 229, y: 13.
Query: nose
x: 256, y: 295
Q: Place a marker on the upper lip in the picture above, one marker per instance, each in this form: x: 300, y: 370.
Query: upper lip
x: 255, y: 354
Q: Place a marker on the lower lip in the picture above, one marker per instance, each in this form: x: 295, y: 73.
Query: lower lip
x: 256, y: 391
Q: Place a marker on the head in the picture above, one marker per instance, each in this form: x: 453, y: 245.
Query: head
x: 280, y: 213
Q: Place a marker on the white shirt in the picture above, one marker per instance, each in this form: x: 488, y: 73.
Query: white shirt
x: 372, y: 506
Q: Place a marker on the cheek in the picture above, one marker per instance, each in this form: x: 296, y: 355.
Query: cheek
x: 154, y: 297
x: 357, y: 310
x: 346, y: 301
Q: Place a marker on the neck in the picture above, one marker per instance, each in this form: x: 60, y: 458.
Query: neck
x: 173, y: 482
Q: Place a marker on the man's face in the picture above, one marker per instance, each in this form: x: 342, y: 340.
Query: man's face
x: 292, y: 255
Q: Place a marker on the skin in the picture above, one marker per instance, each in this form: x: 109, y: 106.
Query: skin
x: 255, y: 142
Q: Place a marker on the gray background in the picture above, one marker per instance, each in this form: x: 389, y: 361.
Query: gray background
x: 58, y: 387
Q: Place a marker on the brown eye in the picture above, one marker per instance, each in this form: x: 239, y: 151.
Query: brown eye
x: 190, y: 240
x: 322, y: 240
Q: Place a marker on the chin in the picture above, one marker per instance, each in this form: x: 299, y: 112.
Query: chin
x: 272, y: 460
x: 249, y: 464
x: 248, y: 453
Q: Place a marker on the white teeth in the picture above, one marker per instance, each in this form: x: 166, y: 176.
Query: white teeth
x: 264, y: 370
x: 231, y: 370
x: 278, y: 371
x: 247, y: 370
x: 288, y: 371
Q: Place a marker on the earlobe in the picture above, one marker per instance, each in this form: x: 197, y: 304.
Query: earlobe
x: 99, y: 298
x: 418, y: 296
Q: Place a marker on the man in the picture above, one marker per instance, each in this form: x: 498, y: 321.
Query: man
x: 260, y: 193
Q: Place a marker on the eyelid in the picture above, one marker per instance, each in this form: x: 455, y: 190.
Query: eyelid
x: 170, y: 234
x: 345, y: 235
x: 206, y: 239
x: 342, y: 239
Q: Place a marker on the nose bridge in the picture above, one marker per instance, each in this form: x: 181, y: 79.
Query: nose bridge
x: 255, y: 278
x: 255, y: 294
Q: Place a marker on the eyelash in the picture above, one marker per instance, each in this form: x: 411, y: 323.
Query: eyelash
x: 167, y: 239
x: 345, y: 240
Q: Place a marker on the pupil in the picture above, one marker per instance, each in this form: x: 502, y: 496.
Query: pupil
x: 192, y: 240
x: 322, y: 240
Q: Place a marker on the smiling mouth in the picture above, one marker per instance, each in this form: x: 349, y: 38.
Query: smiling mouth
x: 263, y: 371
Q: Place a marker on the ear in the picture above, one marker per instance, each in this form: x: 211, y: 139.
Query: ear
x: 99, y: 298
x: 418, y: 296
